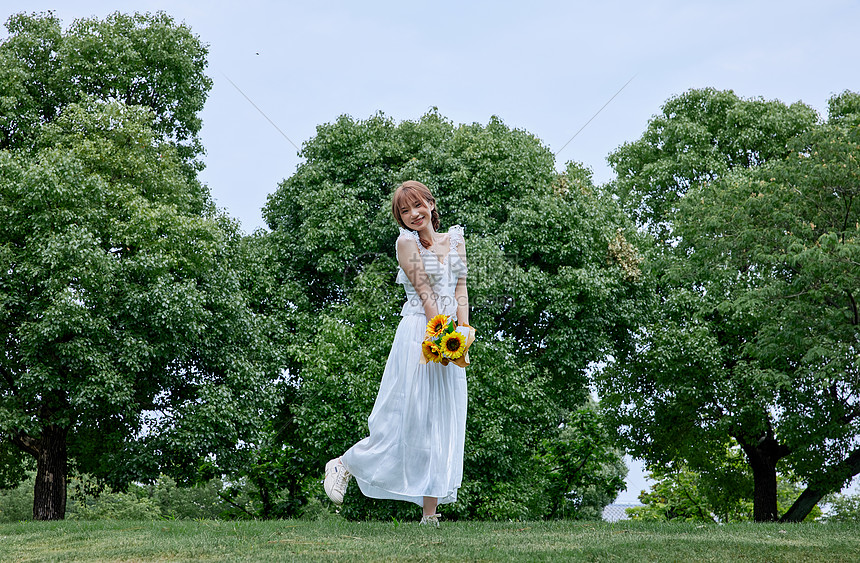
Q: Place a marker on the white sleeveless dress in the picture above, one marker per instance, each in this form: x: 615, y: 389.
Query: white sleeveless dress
x: 418, y: 423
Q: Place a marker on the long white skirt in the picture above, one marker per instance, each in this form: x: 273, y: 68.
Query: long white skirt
x: 417, y: 426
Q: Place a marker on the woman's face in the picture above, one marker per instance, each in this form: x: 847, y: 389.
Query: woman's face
x: 415, y: 213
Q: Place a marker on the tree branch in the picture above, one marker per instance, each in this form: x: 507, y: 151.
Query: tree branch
x: 807, y: 500
x: 853, y: 308
x: 26, y: 443
x: 10, y: 381
x: 230, y: 502
x: 697, y: 505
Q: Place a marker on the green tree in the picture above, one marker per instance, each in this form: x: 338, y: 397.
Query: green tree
x: 844, y: 508
x: 548, y: 296
x: 681, y: 494
x: 798, y: 221
x: 580, y: 472
x: 699, y: 137
x: 752, y: 334
x: 129, y: 349
x: 140, y: 60
x: 724, y: 495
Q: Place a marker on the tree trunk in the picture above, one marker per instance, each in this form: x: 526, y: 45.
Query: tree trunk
x: 764, y: 491
x: 49, y: 499
x: 813, y: 494
x: 762, y: 457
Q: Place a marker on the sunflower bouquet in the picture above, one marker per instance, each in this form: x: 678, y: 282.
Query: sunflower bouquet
x: 446, y: 342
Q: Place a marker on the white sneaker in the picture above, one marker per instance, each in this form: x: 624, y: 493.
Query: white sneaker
x: 336, y: 480
x: 431, y: 520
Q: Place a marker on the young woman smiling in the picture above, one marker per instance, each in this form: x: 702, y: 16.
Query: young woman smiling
x: 418, y: 424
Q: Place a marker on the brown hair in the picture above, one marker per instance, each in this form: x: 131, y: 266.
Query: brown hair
x: 408, y: 192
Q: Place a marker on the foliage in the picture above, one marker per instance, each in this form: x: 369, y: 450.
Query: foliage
x: 844, y: 508
x: 724, y: 495
x: 542, y: 282
x: 207, y: 500
x: 137, y: 60
x: 91, y: 499
x: 581, y: 473
x: 13, y: 466
x: 699, y: 137
x: 16, y: 503
x: 110, y: 505
x: 751, y: 336
x: 129, y: 345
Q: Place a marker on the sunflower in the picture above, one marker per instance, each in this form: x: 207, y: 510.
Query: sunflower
x: 431, y: 351
x: 436, y: 325
x: 453, y: 345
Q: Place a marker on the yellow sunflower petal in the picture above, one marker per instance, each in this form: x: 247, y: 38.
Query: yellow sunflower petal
x: 436, y: 325
x: 453, y: 345
x: 431, y: 351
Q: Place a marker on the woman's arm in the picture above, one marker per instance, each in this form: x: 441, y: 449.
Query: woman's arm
x: 409, y: 259
x: 461, y: 293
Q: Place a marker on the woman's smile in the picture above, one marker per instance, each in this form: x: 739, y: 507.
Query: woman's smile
x: 416, y: 214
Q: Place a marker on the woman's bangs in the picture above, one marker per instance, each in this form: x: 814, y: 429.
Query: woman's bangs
x: 408, y: 197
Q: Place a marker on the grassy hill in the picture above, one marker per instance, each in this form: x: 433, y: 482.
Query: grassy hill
x: 336, y: 539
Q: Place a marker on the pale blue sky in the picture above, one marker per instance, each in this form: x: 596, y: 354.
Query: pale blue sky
x: 542, y: 66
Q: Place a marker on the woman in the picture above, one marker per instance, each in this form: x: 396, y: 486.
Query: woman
x: 418, y: 423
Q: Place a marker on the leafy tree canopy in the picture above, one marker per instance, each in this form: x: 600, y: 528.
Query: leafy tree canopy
x: 699, y: 137
x: 552, y: 273
x: 138, y: 60
x: 129, y: 348
x: 752, y: 336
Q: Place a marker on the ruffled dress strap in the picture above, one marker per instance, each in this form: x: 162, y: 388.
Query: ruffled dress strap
x: 456, y: 236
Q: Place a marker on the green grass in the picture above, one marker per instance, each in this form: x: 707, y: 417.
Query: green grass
x: 339, y: 540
